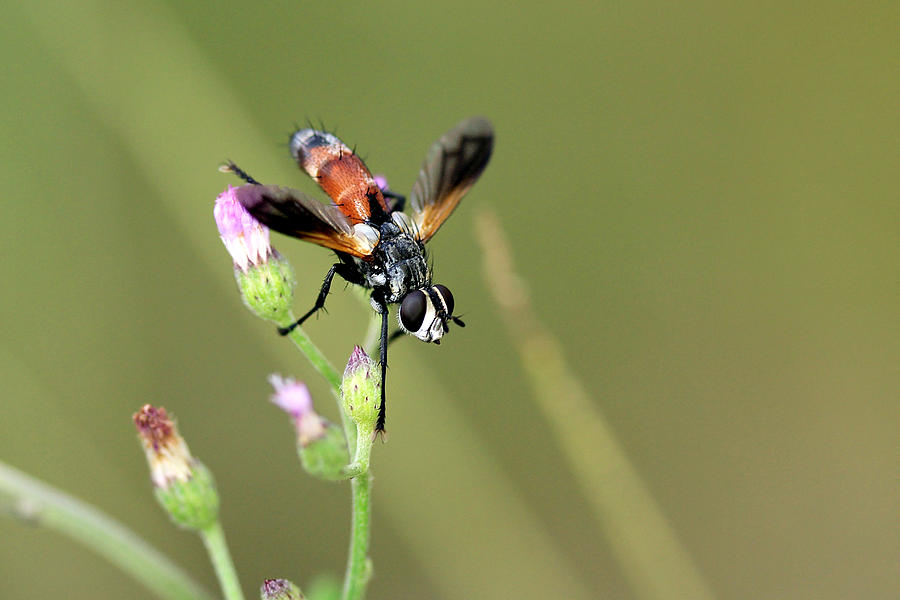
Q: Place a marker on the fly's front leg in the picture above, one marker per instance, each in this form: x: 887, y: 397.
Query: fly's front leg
x: 399, y: 202
x: 381, y: 307
x: 341, y: 269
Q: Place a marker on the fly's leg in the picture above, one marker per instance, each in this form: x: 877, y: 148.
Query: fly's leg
x: 230, y: 167
x: 382, y: 410
x: 399, y: 202
x: 342, y: 269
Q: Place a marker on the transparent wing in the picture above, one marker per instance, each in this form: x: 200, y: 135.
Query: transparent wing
x: 451, y: 166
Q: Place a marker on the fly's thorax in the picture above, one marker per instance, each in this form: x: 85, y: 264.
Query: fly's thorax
x: 400, y: 264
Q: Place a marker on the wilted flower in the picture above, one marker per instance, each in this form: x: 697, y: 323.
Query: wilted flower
x: 293, y: 397
x: 167, y: 453
x: 320, y: 444
x: 183, y: 486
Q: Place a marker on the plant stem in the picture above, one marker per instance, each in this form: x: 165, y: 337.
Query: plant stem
x: 321, y: 364
x: 214, y: 539
x: 358, y: 568
x: 315, y: 356
x: 36, y: 502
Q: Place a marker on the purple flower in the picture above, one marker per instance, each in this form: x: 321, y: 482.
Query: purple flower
x: 279, y: 589
x: 359, y: 361
x: 293, y: 397
x: 381, y: 182
x: 244, y: 237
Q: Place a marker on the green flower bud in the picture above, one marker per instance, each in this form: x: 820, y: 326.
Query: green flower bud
x: 267, y: 289
x: 279, y: 589
x: 264, y: 277
x: 183, y: 485
x: 361, y: 393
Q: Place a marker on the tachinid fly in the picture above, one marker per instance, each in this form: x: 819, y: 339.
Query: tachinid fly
x: 378, y: 246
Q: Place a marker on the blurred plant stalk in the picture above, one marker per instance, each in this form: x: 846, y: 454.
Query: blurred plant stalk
x: 654, y: 562
x: 186, y: 490
x: 37, y: 502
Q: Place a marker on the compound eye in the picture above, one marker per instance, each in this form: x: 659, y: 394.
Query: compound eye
x: 446, y: 296
x: 413, y: 309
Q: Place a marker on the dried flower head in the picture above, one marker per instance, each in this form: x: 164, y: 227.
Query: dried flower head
x: 183, y: 486
x: 167, y: 453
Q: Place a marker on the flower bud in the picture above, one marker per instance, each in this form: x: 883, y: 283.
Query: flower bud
x: 265, y: 278
x: 320, y: 444
x: 279, y: 589
x: 268, y: 289
x: 182, y: 484
x: 361, y: 392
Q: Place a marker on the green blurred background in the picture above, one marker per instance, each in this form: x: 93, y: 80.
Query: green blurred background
x: 701, y: 197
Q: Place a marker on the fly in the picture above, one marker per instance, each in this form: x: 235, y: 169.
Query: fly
x: 378, y: 246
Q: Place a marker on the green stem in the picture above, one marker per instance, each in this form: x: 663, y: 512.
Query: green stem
x: 321, y: 364
x: 358, y: 567
x: 214, y: 539
x: 36, y: 502
x: 315, y: 356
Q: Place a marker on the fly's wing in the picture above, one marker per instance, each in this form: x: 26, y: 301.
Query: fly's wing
x: 295, y: 214
x: 451, y: 166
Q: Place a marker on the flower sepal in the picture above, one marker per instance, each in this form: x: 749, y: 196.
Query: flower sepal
x: 192, y: 504
x: 267, y: 289
x: 326, y: 456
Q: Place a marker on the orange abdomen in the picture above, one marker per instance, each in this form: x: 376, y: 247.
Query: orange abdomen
x: 339, y: 172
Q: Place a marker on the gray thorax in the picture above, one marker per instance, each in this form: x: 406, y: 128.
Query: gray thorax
x: 399, y: 266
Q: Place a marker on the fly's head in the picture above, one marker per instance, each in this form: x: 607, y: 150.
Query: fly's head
x: 426, y: 313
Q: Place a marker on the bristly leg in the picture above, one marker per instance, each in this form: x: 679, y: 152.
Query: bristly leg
x: 339, y: 268
x: 399, y: 201
x: 382, y: 410
x: 230, y: 167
